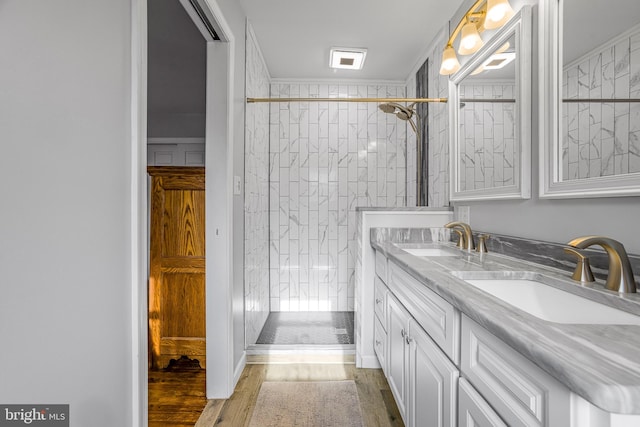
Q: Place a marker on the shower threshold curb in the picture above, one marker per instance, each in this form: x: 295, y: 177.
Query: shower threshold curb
x: 300, y: 353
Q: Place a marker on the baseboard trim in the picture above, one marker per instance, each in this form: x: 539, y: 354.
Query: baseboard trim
x: 368, y: 362
x: 239, y: 368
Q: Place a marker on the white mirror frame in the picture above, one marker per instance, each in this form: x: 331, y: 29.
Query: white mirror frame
x: 520, y: 25
x: 550, y: 81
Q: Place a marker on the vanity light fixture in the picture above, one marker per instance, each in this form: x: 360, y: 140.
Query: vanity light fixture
x: 483, y: 15
x: 347, y: 58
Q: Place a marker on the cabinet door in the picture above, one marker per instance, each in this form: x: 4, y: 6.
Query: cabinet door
x: 433, y: 382
x: 473, y: 410
x: 397, y: 352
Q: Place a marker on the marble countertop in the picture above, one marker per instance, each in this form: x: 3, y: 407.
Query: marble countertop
x: 601, y: 363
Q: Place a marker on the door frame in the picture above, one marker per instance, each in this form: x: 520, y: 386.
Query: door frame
x: 219, y: 210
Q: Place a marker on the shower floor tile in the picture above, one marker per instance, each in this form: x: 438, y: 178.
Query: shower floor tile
x: 286, y: 327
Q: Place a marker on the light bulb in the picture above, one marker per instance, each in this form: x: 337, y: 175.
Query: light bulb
x: 450, y: 62
x: 470, y: 40
x: 498, y: 13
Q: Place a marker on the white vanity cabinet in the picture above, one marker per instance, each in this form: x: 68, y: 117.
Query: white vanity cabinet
x: 445, y: 369
x: 421, y: 376
x: 520, y: 392
x: 423, y: 380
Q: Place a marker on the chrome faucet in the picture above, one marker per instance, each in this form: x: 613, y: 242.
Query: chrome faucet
x: 467, y: 235
x: 620, y: 276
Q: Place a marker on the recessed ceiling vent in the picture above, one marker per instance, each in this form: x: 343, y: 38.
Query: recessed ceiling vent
x: 347, y: 58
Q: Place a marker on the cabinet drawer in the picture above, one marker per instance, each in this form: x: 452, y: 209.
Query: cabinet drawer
x: 381, y: 266
x: 380, y: 344
x: 434, y: 314
x: 473, y: 410
x: 520, y: 392
x: 380, y: 300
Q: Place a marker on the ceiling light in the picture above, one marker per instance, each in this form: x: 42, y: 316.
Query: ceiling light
x: 347, y: 58
x: 498, y: 13
x: 450, y: 63
x: 470, y: 40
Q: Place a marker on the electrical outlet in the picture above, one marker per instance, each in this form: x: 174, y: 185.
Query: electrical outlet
x: 463, y: 214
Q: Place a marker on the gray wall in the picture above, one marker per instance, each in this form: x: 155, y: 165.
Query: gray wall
x: 553, y: 220
x: 65, y: 304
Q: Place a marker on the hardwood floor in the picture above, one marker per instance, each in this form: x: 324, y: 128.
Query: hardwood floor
x: 176, y: 398
x: 377, y: 404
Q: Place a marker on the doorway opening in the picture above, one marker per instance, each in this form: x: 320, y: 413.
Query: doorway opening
x: 176, y: 118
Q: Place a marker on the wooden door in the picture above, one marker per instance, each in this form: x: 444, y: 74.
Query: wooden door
x: 177, y: 265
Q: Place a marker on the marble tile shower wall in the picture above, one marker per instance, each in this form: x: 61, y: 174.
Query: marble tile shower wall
x: 438, y: 138
x: 256, y: 241
x: 602, y: 139
x: 326, y: 159
x: 487, y: 132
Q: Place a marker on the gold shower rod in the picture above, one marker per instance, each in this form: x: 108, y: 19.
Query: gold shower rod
x: 601, y: 100
x: 412, y: 100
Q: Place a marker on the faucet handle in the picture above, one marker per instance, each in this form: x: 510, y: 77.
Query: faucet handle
x: 482, y: 243
x: 582, y: 272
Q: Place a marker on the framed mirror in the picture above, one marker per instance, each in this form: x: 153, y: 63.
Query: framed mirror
x: 490, y: 117
x: 589, y: 99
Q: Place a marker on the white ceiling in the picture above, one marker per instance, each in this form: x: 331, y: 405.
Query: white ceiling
x: 295, y: 35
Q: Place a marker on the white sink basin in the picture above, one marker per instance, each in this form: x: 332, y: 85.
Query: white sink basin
x: 431, y: 252
x: 551, y: 304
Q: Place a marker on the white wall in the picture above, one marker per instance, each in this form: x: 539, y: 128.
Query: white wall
x: 65, y: 302
x: 235, y: 18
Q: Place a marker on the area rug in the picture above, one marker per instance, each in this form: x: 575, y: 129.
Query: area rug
x: 307, y: 404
